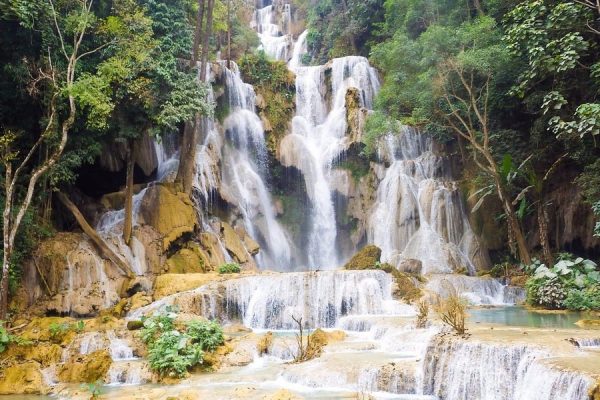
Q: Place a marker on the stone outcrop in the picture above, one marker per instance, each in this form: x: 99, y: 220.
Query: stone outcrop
x: 365, y: 258
x: 88, y: 368
x: 190, y: 259
x: 66, y: 275
x: 169, y: 212
x: 233, y: 243
x: 23, y: 378
x: 168, y: 284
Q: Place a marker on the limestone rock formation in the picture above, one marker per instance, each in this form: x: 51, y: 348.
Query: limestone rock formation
x: 168, y: 284
x: 23, y: 378
x: 169, y: 212
x: 365, y: 258
x: 190, y: 259
x: 88, y: 368
x: 233, y: 243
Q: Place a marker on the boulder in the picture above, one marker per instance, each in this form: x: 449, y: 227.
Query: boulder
x: 23, y: 378
x: 410, y: 265
x: 233, y: 244
x: 168, y: 284
x: 44, y: 353
x: 169, y: 212
x: 264, y: 344
x: 365, y: 258
x: 87, y: 368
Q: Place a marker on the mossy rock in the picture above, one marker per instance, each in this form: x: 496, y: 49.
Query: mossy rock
x: 88, y: 368
x: 170, y: 212
x: 365, y: 258
x: 25, y: 378
x: 264, y: 344
x: 407, y: 286
x: 43, y: 353
x: 190, y: 259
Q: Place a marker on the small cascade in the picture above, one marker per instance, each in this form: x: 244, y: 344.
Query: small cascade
x: 275, y: 40
x: 476, y: 290
x: 132, y: 372
x: 543, y: 382
x: 587, y: 343
x: 119, y: 348
x: 318, y: 138
x: 418, y: 212
x: 270, y: 302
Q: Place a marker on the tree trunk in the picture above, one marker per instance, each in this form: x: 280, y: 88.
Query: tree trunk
x: 542, y: 216
x: 4, y: 290
x: 512, y: 220
x: 197, y: 32
x: 478, y: 7
x: 128, y: 223
x: 191, y: 132
x: 228, y: 33
x: 105, y: 251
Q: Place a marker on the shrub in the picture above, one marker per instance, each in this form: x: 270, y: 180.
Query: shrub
x: 172, y: 353
x: 570, y: 283
x: 422, y: 315
x: 452, y: 310
x: 6, y: 338
x: 231, y: 268
x: 583, y: 299
x: 59, y: 330
x: 208, y: 334
x: 155, y: 325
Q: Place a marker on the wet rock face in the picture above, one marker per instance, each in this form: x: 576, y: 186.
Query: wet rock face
x: 23, y: 378
x: 366, y: 258
x: 88, y: 368
x: 170, y: 213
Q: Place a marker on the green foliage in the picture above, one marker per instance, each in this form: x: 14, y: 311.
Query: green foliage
x: 571, y: 283
x: 173, y: 352
x: 596, y: 208
x: 231, y: 268
x: 338, y: 28
x: 276, y: 85
x: 155, y: 325
x: 94, y: 388
x: 6, y: 339
x: 208, y: 334
x: 377, y: 125
x: 59, y: 330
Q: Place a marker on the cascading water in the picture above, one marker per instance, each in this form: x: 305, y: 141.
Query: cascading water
x: 418, y: 213
x: 244, y: 169
x: 274, y: 42
x: 318, y: 138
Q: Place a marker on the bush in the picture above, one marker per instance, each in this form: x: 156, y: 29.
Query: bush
x: 583, y: 299
x: 452, y: 310
x: 173, y: 353
x: 6, y: 339
x: 208, y: 334
x: 571, y: 283
x: 231, y: 268
x: 58, y: 331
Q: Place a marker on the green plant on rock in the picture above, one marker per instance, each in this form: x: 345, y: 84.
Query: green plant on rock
x: 596, y: 208
x: 173, y: 353
x: 572, y: 283
x: 157, y: 324
x: 230, y: 268
x: 208, y: 334
x: 94, y: 388
x: 6, y: 338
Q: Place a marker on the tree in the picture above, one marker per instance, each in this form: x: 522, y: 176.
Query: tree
x: 191, y: 133
x: 54, y: 135
x: 465, y: 109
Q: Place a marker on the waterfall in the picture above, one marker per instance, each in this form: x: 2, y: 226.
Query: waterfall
x: 457, y: 369
x: 244, y: 171
x: 273, y: 41
x: 418, y: 212
x: 318, y: 138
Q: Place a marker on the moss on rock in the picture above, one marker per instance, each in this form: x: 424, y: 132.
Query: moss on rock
x: 168, y: 284
x: 23, y: 378
x: 365, y: 258
x: 88, y: 368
